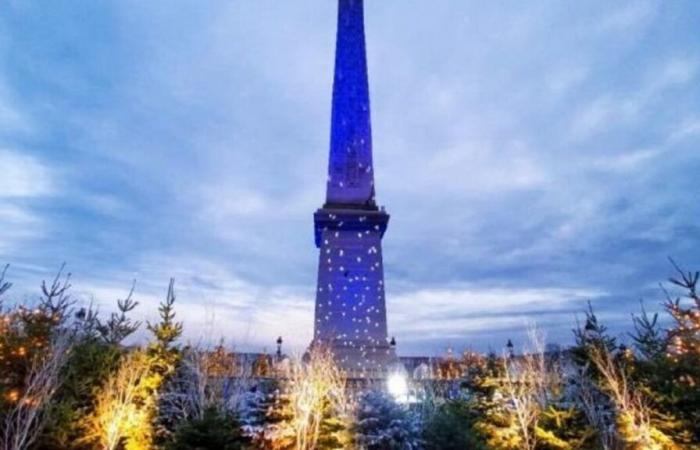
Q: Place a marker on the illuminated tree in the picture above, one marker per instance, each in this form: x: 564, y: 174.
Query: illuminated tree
x: 523, y: 403
x: 684, y: 337
x: 34, y: 347
x: 261, y: 366
x: 121, y: 416
x: 219, y: 362
x: 165, y: 332
x: 632, y: 413
x: 28, y: 332
x: 613, y: 385
x: 448, y: 368
x: 96, y: 355
x: 526, y: 387
x: 312, y: 410
x: 496, y: 424
x: 164, y: 357
x: 125, y: 409
x: 668, y: 367
x: 27, y: 415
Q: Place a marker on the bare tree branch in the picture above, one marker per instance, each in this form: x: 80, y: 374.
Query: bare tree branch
x: 4, y: 286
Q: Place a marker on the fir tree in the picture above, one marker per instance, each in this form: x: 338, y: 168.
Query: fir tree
x: 164, y: 357
x: 97, y: 353
x: 214, y: 431
x: 257, y: 410
x: 677, y: 380
x: 35, y: 345
x: 278, y: 432
x: 450, y: 426
x: 648, y: 336
x: 382, y: 424
x: 493, y: 425
x: 593, y: 335
x: 165, y: 333
x: 119, y: 326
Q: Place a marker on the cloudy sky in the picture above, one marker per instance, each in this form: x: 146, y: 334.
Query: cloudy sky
x: 533, y: 156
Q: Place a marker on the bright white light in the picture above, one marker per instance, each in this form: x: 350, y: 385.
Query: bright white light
x: 398, y: 387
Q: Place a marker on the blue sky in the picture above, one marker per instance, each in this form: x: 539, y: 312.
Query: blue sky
x: 533, y: 155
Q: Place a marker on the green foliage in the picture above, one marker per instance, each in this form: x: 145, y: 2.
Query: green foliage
x: 119, y: 326
x: 96, y: 354
x: 668, y: 370
x: 334, y: 433
x: 648, y: 336
x: 90, y: 364
x: 593, y: 335
x: 562, y: 428
x: 493, y: 423
x: 26, y: 333
x: 450, y: 427
x: 214, y: 431
x: 165, y: 333
x: 682, y: 389
x: 164, y: 357
x: 496, y: 425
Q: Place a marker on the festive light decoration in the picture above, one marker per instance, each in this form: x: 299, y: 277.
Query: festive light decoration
x: 632, y: 413
x: 122, y: 408
x: 350, y: 313
x: 684, y: 338
x: 314, y: 404
x: 397, y: 385
x: 126, y: 405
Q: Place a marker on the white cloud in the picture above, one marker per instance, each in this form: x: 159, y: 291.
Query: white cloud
x: 593, y: 117
x: 627, y: 18
x: 626, y: 161
x: 22, y: 175
x: 18, y: 224
x: 460, y: 310
x: 212, y: 300
x: 222, y: 204
x: 23, y: 179
x: 12, y: 119
x: 687, y: 129
x: 564, y: 80
x: 612, y: 109
x: 677, y: 71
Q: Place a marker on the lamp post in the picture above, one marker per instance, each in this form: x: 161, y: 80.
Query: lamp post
x: 279, y: 349
x: 510, y: 346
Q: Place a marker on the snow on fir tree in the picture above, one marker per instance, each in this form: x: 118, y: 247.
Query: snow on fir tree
x: 252, y: 412
x: 382, y: 423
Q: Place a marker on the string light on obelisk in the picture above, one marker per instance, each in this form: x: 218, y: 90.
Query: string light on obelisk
x: 350, y: 304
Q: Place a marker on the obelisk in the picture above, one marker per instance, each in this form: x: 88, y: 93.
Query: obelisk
x: 350, y: 316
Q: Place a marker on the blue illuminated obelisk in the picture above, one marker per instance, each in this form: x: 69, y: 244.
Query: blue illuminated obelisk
x: 350, y: 315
